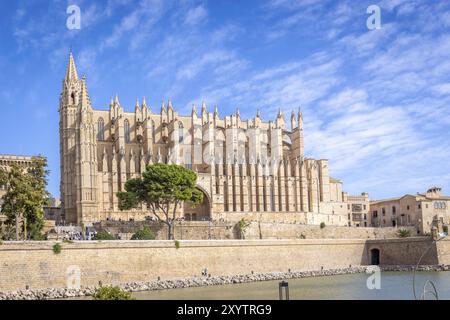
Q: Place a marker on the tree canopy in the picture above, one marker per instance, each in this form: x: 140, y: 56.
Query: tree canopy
x: 163, y: 188
x: 25, y: 197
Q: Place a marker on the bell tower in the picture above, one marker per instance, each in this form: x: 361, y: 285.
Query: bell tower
x: 68, y: 116
x: 78, y: 156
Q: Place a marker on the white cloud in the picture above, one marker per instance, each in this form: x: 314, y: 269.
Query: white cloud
x: 196, y: 15
x: 443, y: 88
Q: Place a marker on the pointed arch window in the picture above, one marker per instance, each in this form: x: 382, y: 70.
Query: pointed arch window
x: 101, y: 130
x: 153, y: 131
x: 181, y: 132
x: 127, y: 131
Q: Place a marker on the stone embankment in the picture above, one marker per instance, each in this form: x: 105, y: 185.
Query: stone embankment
x: 61, y: 293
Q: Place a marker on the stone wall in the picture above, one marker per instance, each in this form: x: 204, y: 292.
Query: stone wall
x: 406, y: 251
x: 297, y: 231
x: 35, y: 265
x: 197, y: 230
x: 443, y: 251
x: 187, y: 230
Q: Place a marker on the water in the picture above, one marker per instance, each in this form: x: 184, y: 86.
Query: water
x: 394, y: 286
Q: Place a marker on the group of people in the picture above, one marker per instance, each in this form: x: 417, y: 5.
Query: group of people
x: 74, y: 233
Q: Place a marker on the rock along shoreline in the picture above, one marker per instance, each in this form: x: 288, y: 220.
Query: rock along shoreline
x: 61, y: 293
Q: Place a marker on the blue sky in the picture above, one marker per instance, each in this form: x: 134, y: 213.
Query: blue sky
x: 375, y: 102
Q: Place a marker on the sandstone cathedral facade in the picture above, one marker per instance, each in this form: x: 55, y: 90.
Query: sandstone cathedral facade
x: 245, y: 167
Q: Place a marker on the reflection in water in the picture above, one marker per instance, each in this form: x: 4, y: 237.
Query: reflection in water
x: 394, y: 285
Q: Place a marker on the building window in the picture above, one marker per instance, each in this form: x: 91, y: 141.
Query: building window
x: 394, y: 210
x: 407, y: 207
x: 365, y: 207
x: 101, y: 130
x: 440, y: 205
x: 419, y: 206
x: 127, y: 131
x: 375, y: 214
x: 383, y: 211
x: 180, y: 132
x: 153, y: 131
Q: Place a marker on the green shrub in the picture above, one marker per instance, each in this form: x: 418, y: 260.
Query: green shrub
x: 241, y: 227
x: 144, y: 234
x: 112, y: 293
x: 322, y: 225
x: 103, y: 235
x: 403, y: 233
x: 57, y: 248
x: 177, y: 244
x: 445, y: 229
x: 302, y: 236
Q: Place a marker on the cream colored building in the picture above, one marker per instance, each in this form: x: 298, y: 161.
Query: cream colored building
x: 243, y: 166
x: 358, y: 210
x: 422, y: 210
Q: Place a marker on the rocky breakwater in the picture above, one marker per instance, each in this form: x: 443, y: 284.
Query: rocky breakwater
x: 61, y: 293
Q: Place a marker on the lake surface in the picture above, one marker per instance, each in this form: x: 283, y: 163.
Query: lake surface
x: 394, y: 286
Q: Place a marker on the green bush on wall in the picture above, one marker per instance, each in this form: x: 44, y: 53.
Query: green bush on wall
x: 57, y: 248
x: 403, y: 233
x: 103, y: 235
x: 144, y: 234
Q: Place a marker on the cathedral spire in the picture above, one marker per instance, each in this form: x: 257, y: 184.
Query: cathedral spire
x: 163, y: 108
x: 137, y: 107
x: 293, y: 121
x: 145, y: 107
x: 85, y: 100
x: 300, y: 118
x: 194, y: 110
x: 203, y: 107
x: 71, y: 73
x: 280, y: 114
